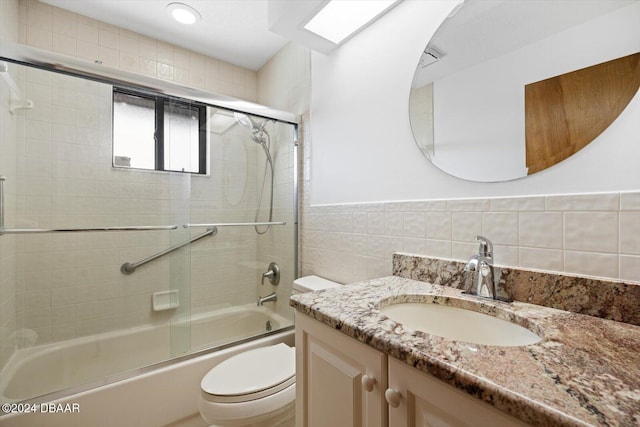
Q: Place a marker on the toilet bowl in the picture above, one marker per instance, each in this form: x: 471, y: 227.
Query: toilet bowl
x: 257, y: 387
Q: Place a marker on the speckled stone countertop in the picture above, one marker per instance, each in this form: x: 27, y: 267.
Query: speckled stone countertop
x: 585, y: 371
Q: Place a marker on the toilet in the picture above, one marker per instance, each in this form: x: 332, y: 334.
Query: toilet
x: 257, y: 387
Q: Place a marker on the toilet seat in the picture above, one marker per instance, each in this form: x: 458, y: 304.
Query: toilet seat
x: 254, y: 374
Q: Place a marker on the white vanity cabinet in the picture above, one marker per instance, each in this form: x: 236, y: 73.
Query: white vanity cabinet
x: 418, y: 399
x: 342, y: 382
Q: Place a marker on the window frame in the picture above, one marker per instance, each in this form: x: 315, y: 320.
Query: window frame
x: 159, y: 115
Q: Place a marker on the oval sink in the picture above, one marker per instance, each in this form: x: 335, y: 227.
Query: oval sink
x: 459, y: 324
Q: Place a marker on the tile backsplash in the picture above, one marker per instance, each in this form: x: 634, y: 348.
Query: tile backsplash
x: 586, y: 234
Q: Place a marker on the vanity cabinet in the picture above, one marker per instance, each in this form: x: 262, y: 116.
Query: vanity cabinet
x: 418, y: 399
x: 339, y: 381
x: 342, y: 382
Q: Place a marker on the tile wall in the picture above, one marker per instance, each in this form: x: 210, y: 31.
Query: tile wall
x: 8, y: 149
x: 591, y: 234
x: 47, y: 27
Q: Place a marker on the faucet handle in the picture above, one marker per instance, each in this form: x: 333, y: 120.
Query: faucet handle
x: 273, y: 274
x: 486, y: 247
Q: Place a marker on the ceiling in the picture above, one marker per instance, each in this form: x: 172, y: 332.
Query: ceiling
x: 235, y: 31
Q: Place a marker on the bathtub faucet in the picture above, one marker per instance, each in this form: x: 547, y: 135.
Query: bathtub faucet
x: 270, y: 297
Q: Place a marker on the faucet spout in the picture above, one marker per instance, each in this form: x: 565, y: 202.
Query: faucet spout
x: 482, y: 266
x: 270, y: 297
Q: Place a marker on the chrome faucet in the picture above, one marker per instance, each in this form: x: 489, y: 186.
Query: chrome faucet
x: 482, y: 265
x: 270, y: 297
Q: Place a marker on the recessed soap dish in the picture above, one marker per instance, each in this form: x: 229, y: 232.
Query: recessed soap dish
x: 166, y: 300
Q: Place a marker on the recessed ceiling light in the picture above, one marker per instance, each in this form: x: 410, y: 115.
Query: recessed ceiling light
x: 183, y: 13
x: 339, y: 19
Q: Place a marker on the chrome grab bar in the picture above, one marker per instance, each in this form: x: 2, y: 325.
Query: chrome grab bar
x: 235, y: 224
x: 128, y: 268
x: 85, y: 229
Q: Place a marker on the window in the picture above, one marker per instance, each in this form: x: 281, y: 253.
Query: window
x: 158, y: 133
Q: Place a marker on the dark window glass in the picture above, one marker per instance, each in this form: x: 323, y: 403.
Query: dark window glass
x: 158, y: 133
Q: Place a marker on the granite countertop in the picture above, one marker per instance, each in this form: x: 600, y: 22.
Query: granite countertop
x: 585, y: 371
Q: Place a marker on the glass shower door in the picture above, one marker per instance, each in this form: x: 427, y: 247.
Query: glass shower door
x: 98, y: 299
x: 71, y: 315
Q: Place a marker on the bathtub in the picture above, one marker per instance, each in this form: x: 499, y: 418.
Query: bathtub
x: 154, y: 396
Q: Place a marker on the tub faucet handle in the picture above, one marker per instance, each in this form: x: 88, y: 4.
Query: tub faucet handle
x: 273, y: 274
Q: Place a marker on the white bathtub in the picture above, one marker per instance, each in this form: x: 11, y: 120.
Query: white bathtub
x: 154, y: 398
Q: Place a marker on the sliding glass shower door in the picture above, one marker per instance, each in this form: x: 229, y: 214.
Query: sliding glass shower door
x: 129, y: 234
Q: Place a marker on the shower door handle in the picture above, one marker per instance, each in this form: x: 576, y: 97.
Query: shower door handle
x: 273, y: 274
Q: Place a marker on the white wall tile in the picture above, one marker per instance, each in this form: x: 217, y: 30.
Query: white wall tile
x: 392, y: 244
x: 360, y: 223
x: 415, y: 225
x: 376, y: 246
x: 87, y: 32
x: 591, y: 264
x: 463, y: 250
x: 630, y: 201
x: 506, y: 255
x: 394, y: 224
x: 541, y: 259
x: 439, y: 248
x: 500, y: 227
x: 439, y: 225
x: 541, y: 230
x: 473, y: 205
x: 415, y: 246
x: 630, y: 268
x: 591, y: 231
x: 518, y: 204
x: 375, y: 223
x: 465, y: 226
x: 583, y: 202
x: 630, y: 232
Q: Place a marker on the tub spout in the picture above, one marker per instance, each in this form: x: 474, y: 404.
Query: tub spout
x: 270, y: 297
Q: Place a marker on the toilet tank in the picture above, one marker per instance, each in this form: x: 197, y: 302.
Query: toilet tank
x: 311, y: 284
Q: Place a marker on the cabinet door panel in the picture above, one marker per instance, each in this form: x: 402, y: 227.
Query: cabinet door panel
x: 330, y: 367
x: 429, y: 402
x: 333, y: 389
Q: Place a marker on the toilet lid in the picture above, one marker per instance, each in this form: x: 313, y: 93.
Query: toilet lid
x: 251, y: 375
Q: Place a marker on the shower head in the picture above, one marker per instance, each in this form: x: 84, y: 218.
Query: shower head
x: 257, y: 129
x: 248, y: 122
x: 244, y: 120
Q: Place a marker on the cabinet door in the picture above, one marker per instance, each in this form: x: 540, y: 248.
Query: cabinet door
x: 428, y: 402
x: 340, y: 382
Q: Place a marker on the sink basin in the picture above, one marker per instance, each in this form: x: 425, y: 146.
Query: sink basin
x: 459, y: 324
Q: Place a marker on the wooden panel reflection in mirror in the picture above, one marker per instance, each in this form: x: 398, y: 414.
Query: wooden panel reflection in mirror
x: 567, y: 112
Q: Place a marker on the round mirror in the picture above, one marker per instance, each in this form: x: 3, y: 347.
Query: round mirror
x: 506, y: 88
